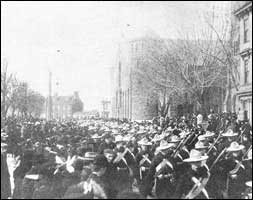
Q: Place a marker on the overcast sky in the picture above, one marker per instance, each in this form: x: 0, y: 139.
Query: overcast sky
x: 86, y: 35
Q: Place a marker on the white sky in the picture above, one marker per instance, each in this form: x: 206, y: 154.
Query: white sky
x: 87, y: 34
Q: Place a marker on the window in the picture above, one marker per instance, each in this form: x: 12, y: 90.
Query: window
x: 246, y: 71
x: 246, y: 29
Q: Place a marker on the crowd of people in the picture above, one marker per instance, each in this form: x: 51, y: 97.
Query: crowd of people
x: 183, y: 157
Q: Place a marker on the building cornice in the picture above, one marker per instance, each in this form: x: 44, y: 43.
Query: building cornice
x: 243, y: 10
x: 246, y: 52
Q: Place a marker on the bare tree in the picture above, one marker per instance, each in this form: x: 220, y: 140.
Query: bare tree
x: 8, y: 80
x: 227, y: 34
x: 154, y: 69
x: 195, y: 65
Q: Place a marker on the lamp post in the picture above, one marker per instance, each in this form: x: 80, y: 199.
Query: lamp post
x: 50, y: 101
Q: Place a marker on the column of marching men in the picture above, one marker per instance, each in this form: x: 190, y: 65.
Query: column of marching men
x: 164, y: 158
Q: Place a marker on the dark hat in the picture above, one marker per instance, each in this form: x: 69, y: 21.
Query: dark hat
x: 100, y: 161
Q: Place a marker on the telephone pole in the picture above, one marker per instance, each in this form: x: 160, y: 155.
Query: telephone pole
x: 49, y: 115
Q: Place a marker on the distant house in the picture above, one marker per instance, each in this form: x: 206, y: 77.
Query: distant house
x: 63, y: 107
x: 105, y: 109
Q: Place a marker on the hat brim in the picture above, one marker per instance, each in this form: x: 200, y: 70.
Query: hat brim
x: 164, y: 147
x: 175, y: 141
x: 230, y: 149
x: 189, y: 160
x: 229, y: 134
x: 145, y: 143
x: 201, y: 147
x: 32, y: 176
x: 208, y: 135
x: 248, y: 183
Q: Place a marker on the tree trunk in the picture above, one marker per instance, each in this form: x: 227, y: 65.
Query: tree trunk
x: 225, y: 102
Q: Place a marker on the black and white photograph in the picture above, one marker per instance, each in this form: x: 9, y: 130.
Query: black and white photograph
x: 126, y: 99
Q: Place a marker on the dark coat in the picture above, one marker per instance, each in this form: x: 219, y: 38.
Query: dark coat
x: 185, y: 183
x: 5, y: 178
x: 164, y: 186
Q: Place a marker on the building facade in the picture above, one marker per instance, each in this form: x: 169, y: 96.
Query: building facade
x: 135, y: 98
x: 242, y: 96
x: 63, y: 107
x: 131, y: 99
x: 105, y: 112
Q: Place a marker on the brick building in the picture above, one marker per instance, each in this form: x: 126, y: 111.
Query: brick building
x: 242, y: 98
x: 62, y: 106
x: 131, y: 98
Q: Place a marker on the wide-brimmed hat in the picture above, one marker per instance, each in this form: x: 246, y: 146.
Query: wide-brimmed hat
x: 200, y: 145
x: 174, y: 139
x: 90, y: 156
x: 3, y: 145
x: 96, y: 136
x: 169, y: 129
x: 37, y: 123
x: 144, y: 142
x: 115, y: 132
x: 107, y: 129
x: 249, y: 155
x: 141, y: 131
x: 4, y: 135
x: 127, y: 138
x: 119, y: 138
x: 183, y: 134
x: 132, y: 130
x: 165, y: 145
x: 109, y: 151
x: 157, y: 137
x: 91, y: 128
x: 208, y: 134
x: 195, y: 156
x: 234, y: 146
x: 229, y: 133
x: 33, y: 176
x: 248, y: 183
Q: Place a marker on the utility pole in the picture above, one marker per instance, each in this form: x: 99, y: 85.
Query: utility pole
x: 49, y: 116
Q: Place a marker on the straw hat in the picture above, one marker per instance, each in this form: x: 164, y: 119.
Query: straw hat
x: 115, y: 132
x: 33, y: 176
x: 119, y: 138
x: 174, y: 139
x: 248, y: 183
x: 164, y: 145
x: 107, y: 129
x: 145, y: 142
x: 169, y: 129
x: 96, y: 136
x: 234, y: 146
x: 109, y: 151
x: 4, y: 135
x: 195, y: 156
x: 208, y: 134
x: 249, y: 155
x: 200, y: 145
x: 37, y: 123
x: 127, y: 138
x: 91, y: 128
x: 3, y: 145
x: 229, y: 133
x: 132, y: 130
x: 157, y: 137
x: 90, y: 156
